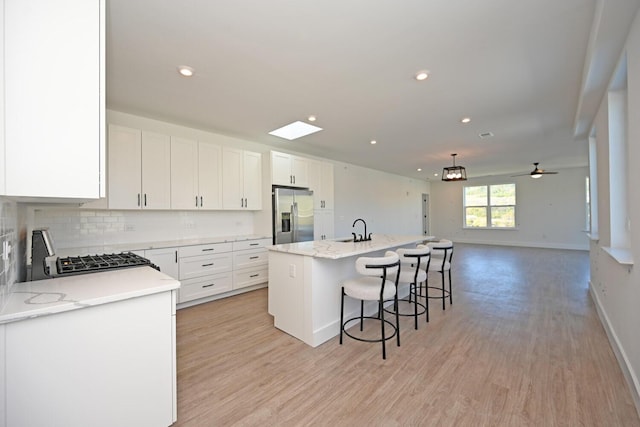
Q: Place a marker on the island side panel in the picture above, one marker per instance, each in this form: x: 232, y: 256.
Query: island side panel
x: 286, y: 292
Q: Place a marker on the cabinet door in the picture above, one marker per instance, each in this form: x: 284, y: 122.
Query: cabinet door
x: 252, y: 179
x: 315, y: 183
x: 53, y: 110
x: 281, y: 169
x: 232, y: 179
x: 125, y: 167
x: 326, y: 181
x: 323, y: 225
x: 156, y: 171
x: 184, y: 174
x: 210, y: 175
x: 299, y: 170
x: 166, y: 259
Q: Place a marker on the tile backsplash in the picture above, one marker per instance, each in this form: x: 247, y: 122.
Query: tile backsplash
x: 75, y: 227
x: 9, y: 248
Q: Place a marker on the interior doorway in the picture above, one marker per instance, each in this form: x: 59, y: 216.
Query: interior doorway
x: 425, y: 214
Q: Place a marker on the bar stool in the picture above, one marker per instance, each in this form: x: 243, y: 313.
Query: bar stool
x: 414, y: 266
x: 374, y: 286
x: 441, y: 255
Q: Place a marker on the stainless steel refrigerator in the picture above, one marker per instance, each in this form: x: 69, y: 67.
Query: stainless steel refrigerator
x: 292, y: 215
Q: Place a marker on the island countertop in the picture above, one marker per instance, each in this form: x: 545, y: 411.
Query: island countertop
x: 336, y: 249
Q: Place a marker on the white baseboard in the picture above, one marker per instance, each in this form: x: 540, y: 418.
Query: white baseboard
x: 618, y: 350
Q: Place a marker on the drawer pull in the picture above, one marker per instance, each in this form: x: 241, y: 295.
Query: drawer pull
x: 254, y: 275
x: 254, y: 244
x: 208, y: 286
x: 207, y: 265
x: 254, y: 257
x: 208, y: 249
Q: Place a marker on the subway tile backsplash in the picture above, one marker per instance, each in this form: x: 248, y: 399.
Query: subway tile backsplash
x: 9, y: 248
x: 75, y: 227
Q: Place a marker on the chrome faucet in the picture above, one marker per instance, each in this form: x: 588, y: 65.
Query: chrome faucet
x: 364, y: 237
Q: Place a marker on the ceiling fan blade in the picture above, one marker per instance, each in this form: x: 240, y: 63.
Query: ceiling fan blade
x: 547, y: 173
x: 522, y: 174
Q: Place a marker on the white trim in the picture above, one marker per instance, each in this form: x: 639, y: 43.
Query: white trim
x: 618, y: 350
x: 621, y: 255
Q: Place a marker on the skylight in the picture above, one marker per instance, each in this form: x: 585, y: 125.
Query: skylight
x: 295, y: 130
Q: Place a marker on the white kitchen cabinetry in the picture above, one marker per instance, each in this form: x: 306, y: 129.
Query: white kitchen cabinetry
x: 321, y: 182
x: 52, y: 86
x: 106, y: 365
x: 166, y: 259
x: 289, y: 170
x: 323, y: 224
x: 250, y: 263
x: 205, y: 270
x: 196, y: 181
x: 139, y: 169
x: 241, y: 179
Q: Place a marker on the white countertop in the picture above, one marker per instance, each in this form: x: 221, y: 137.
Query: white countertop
x: 51, y: 296
x: 140, y: 246
x: 335, y: 249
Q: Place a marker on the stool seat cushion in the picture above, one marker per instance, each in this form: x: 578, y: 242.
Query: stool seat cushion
x: 368, y: 288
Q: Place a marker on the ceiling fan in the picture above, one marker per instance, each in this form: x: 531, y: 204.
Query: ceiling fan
x: 537, y: 172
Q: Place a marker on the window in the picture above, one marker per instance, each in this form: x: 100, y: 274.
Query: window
x: 490, y: 206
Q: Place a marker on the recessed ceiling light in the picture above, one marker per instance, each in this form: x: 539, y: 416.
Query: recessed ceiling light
x: 419, y: 169
x: 295, y: 130
x: 435, y: 174
x: 373, y: 142
x: 186, y: 71
x: 312, y: 118
x: 422, y: 75
x: 466, y: 119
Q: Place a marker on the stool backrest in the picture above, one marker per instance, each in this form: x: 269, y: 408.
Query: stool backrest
x: 378, y: 266
x: 419, y: 255
x: 442, y: 249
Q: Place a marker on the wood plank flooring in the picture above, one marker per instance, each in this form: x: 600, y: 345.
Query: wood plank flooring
x: 521, y: 345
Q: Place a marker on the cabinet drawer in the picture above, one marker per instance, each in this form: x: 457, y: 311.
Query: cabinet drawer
x: 205, y: 286
x: 205, y: 265
x: 213, y: 248
x: 254, y: 258
x: 250, y: 276
x: 251, y: 244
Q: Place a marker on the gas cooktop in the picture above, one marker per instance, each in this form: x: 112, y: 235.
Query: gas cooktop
x: 96, y: 263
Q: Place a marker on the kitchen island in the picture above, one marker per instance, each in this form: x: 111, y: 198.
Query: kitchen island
x: 305, y: 281
x: 94, y: 349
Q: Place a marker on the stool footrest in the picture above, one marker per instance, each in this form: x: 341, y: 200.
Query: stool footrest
x: 377, y: 319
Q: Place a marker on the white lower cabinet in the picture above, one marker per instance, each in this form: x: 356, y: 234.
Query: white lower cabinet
x: 166, y: 259
x: 250, y: 263
x: 218, y: 268
x: 106, y: 365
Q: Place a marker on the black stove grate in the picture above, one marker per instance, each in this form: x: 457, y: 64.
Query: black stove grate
x: 95, y: 263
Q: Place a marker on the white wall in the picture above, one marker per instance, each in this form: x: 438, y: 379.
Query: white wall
x: 550, y: 211
x: 616, y: 287
x: 390, y: 204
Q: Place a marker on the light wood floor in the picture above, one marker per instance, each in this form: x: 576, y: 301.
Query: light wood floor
x: 521, y: 345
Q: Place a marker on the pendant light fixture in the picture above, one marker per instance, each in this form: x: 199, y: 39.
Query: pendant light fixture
x: 454, y: 173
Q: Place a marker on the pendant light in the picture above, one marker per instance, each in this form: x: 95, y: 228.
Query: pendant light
x: 454, y: 173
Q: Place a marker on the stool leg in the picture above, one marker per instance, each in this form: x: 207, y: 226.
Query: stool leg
x: 341, y: 314
x: 443, y: 296
x: 384, y: 350
x: 398, y: 322
x: 415, y: 304
x: 361, y: 313
x: 450, y: 294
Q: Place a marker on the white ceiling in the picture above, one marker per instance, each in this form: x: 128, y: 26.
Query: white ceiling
x: 523, y: 70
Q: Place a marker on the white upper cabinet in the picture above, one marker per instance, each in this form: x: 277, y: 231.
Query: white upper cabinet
x: 139, y: 169
x: 52, y: 120
x: 196, y: 181
x: 289, y: 170
x: 241, y: 179
x: 321, y: 182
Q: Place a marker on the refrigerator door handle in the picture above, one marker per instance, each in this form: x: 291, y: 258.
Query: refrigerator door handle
x: 294, y: 225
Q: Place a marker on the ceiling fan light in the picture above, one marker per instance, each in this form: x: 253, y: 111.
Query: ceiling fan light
x: 536, y: 175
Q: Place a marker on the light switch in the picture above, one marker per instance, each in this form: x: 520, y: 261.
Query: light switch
x: 292, y: 270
